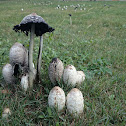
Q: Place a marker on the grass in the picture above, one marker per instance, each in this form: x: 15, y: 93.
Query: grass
x: 95, y: 43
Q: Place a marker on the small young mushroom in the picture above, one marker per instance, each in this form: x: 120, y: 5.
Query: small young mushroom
x: 24, y: 82
x: 55, y: 70
x: 6, y: 113
x: 75, y: 102
x: 70, y: 76
x: 80, y: 77
x: 24, y: 79
x: 56, y: 98
x: 8, y: 74
x: 34, y: 24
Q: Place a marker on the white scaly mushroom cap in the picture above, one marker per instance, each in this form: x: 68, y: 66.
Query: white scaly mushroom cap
x: 55, y: 70
x: 18, y: 55
x: 24, y: 82
x: 70, y: 75
x: 6, y: 113
x: 75, y: 102
x: 59, y: 69
x: 7, y: 73
x: 56, y: 98
x: 80, y: 77
x: 24, y: 79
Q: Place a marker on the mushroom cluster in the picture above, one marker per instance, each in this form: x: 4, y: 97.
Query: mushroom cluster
x: 71, y: 77
x: 74, y: 100
x: 19, y: 56
x: 21, y: 67
x: 18, y: 66
x: 34, y: 24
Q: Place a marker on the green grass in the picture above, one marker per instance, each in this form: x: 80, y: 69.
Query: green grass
x: 95, y: 43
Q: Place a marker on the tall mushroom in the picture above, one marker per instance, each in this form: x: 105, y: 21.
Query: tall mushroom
x: 34, y: 24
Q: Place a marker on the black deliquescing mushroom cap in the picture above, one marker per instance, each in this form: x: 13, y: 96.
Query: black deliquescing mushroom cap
x: 54, y: 60
x: 41, y: 26
x: 70, y: 15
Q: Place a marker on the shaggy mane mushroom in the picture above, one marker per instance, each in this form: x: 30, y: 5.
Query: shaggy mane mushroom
x: 34, y: 24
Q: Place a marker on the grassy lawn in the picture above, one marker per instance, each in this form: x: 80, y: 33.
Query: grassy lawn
x: 95, y: 43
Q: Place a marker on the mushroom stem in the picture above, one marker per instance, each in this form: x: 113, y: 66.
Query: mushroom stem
x: 70, y: 20
x: 39, y: 57
x: 30, y: 56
